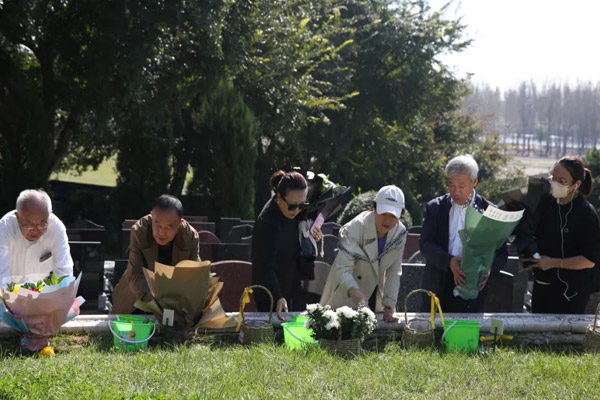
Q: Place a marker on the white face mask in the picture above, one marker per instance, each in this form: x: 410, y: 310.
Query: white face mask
x: 559, y: 191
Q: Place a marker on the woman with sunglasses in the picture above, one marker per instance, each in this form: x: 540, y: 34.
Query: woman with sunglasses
x: 276, y: 259
x: 568, y: 242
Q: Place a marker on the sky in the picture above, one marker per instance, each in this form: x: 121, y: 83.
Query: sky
x: 517, y: 40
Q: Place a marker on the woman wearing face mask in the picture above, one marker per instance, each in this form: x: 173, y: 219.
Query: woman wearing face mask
x: 276, y: 246
x: 568, y: 240
x: 369, y: 262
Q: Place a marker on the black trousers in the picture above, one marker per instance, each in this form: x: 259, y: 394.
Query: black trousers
x: 552, y: 298
x: 295, y: 298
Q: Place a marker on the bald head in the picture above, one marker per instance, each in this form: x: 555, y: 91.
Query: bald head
x: 33, y: 211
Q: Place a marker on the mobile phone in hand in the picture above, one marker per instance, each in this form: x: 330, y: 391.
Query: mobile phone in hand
x: 318, y: 223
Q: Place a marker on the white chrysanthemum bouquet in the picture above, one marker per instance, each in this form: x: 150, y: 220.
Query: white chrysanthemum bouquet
x: 341, y: 324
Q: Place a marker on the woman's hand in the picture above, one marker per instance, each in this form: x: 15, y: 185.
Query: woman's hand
x: 358, y: 296
x: 388, y: 314
x: 317, y: 234
x: 544, y: 263
x: 281, y: 306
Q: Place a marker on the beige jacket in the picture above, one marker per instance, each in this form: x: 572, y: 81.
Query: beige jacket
x: 143, y: 253
x: 358, y: 264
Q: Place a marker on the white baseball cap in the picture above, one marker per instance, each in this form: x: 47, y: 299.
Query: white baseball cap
x: 390, y: 199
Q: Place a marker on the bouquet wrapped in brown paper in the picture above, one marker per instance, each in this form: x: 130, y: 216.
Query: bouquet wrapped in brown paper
x: 37, y: 310
x: 186, y: 296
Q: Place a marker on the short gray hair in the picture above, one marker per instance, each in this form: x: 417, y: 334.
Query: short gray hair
x: 34, y: 195
x: 464, y: 164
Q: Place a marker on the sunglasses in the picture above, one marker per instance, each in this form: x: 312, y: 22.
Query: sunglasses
x: 294, y: 206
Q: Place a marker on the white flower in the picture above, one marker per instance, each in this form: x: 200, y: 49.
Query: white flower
x: 369, y: 313
x: 346, y: 312
x: 312, y: 307
x: 332, y: 324
x: 333, y: 320
x: 307, y: 324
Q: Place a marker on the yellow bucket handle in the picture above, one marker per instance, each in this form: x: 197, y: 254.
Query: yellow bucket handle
x: 435, y: 304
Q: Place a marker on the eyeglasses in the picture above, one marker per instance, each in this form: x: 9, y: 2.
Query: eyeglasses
x: 294, y: 206
x: 31, y: 227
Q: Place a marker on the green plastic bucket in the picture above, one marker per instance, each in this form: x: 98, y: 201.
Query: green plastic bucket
x: 299, y: 318
x: 296, y: 336
x: 461, y: 335
x: 134, y: 319
x: 132, y: 332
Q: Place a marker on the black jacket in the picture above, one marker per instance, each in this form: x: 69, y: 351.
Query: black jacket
x: 276, y: 260
x: 433, y: 244
x: 580, y: 228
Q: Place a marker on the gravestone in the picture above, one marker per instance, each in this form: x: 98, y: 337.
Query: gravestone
x: 506, y: 290
x: 235, y: 275
x: 230, y: 251
x: 207, y: 239
x: 329, y: 227
x: 237, y: 232
x: 87, y: 235
x: 128, y: 223
x: 195, y: 218
x: 314, y: 288
x: 412, y: 274
x: 84, y: 224
x: 224, y: 226
x: 203, y: 226
x: 411, y: 246
x: 88, y: 258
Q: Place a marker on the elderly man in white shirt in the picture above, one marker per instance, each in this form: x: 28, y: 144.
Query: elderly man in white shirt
x: 33, y: 241
x: 440, y: 241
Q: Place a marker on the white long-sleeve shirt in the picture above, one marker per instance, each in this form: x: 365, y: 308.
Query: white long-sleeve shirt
x: 456, y: 222
x: 22, y: 260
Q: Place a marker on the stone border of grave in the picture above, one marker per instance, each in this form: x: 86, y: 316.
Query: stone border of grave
x: 526, y: 328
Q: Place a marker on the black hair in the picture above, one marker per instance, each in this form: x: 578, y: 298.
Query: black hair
x: 578, y: 173
x: 281, y: 182
x: 166, y: 202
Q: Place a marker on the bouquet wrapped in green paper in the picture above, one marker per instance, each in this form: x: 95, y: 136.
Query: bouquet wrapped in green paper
x: 484, y: 233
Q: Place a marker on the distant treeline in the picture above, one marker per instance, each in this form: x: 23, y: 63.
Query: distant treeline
x: 548, y: 120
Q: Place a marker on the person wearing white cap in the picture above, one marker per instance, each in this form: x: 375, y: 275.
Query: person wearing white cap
x: 440, y: 242
x: 368, y: 266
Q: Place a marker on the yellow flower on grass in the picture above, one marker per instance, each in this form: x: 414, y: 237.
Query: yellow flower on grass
x: 47, y: 351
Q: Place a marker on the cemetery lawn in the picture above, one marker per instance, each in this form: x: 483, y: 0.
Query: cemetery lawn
x: 105, y: 175
x: 90, y: 369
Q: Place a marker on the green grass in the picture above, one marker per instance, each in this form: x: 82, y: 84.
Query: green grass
x: 199, y: 370
x: 105, y: 175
